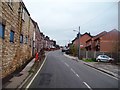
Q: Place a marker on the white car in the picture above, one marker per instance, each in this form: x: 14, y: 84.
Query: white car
x: 104, y: 58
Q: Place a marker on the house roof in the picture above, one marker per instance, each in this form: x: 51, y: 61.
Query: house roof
x: 23, y: 5
x: 82, y: 35
x: 99, y: 35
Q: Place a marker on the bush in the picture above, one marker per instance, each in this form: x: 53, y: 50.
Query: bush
x: 73, y: 50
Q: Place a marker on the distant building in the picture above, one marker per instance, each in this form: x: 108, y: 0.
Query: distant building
x: 103, y: 42
x: 83, y: 38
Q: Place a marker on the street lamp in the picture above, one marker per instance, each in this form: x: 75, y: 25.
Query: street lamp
x: 78, y: 42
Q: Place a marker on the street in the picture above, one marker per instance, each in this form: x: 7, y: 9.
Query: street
x: 59, y: 71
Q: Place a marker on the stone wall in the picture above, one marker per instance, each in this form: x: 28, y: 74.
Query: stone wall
x: 14, y: 54
x: 9, y: 49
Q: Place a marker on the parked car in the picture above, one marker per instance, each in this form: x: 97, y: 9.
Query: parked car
x: 104, y: 58
x: 64, y: 49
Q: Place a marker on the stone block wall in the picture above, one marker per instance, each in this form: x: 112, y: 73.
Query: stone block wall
x: 14, y: 54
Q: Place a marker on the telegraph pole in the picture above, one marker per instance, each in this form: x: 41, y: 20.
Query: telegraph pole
x: 78, y: 41
x: 79, y: 44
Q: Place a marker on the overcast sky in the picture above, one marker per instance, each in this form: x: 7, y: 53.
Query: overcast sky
x: 58, y: 18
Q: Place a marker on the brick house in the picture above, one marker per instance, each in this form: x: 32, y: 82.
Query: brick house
x: 93, y: 43
x: 109, y: 41
x: 104, y: 42
x: 83, y: 38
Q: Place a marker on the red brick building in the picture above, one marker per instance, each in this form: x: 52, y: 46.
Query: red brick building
x: 83, y: 38
x: 104, y: 42
x: 93, y: 44
x: 109, y: 41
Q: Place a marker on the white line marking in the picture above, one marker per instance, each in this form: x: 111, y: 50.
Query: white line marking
x: 36, y: 74
x: 87, y: 85
x: 73, y: 71
x: 77, y: 75
x: 66, y: 64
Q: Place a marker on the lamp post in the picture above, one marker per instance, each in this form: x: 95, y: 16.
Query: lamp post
x: 78, y: 42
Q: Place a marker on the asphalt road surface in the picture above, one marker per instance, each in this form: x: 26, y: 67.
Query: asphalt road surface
x: 59, y: 71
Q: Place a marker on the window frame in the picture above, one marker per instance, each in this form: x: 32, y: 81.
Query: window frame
x: 23, y: 14
x: 12, y: 37
x: 2, y: 31
x: 26, y: 39
x: 21, y: 38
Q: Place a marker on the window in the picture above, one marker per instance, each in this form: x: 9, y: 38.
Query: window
x: 23, y: 14
x: 26, y: 39
x: 2, y: 30
x: 12, y: 36
x: 21, y: 38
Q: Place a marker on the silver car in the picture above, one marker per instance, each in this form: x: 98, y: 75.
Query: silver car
x: 104, y: 58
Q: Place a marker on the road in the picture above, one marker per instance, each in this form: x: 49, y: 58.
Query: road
x: 59, y: 71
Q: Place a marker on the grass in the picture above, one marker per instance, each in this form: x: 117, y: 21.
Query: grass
x: 89, y: 60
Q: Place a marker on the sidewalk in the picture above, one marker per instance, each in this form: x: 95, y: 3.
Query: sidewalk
x: 19, y: 78
x: 104, y: 67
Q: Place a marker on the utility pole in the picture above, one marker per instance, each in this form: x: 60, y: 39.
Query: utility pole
x: 79, y: 44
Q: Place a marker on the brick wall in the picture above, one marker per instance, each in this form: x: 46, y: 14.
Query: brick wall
x: 83, y: 40
x: 108, y: 42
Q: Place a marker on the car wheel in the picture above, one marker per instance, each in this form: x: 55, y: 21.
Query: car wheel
x: 98, y: 60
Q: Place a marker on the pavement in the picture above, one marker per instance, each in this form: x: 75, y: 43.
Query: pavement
x: 108, y: 68
x: 18, y: 79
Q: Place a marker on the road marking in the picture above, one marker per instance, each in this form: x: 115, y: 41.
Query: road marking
x: 36, y: 74
x: 66, y: 64
x: 87, y: 85
x: 73, y: 71
x: 77, y: 75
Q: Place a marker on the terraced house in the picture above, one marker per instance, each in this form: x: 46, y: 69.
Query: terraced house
x: 16, y: 36
x: 20, y: 37
x: 9, y: 36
